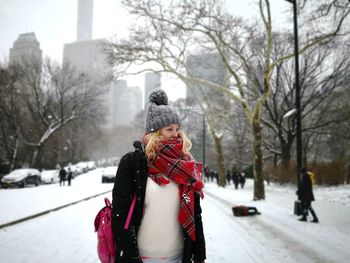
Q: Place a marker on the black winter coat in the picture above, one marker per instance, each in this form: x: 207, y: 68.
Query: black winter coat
x: 131, y: 179
x: 305, y: 192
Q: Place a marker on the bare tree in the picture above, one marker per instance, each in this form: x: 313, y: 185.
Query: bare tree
x: 164, y: 36
x: 238, y: 141
x: 323, y: 70
x: 48, y: 97
x: 10, y: 112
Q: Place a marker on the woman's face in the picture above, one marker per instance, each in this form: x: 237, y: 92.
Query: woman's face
x: 170, y: 132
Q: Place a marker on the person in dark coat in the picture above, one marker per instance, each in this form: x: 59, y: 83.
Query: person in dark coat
x: 166, y: 223
x: 228, y: 176
x: 62, y: 176
x: 69, y: 176
x: 206, y: 173
x: 212, y: 175
x: 242, y: 179
x: 235, y: 179
x: 306, y: 196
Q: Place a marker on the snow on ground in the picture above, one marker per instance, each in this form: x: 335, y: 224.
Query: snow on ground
x: 67, y: 235
x: 278, y: 235
x: 17, y: 203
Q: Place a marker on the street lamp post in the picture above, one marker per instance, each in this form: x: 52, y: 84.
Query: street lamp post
x: 297, y: 90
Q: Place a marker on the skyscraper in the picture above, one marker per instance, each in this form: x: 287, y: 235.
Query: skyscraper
x: 25, y: 47
x: 86, y: 54
x: 152, y: 82
x: 85, y: 20
x: 127, y: 103
x: 207, y: 67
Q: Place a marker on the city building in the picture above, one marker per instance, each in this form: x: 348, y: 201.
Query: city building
x: 86, y: 54
x: 26, y: 47
x: 87, y: 57
x: 127, y: 102
x: 85, y: 20
x: 152, y: 82
x: 208, y: 67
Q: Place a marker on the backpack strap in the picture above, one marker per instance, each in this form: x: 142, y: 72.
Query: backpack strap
x: 131, y: 210
x: 138, y: 148
x: 107, y: 202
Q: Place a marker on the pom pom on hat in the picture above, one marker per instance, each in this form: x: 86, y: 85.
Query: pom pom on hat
x: 159, y: 113
x: 158, y: 97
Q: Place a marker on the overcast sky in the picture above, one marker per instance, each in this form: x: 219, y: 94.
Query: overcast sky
x: 54, y: 22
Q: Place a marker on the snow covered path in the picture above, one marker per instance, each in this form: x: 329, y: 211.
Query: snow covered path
x: 64, y: 236
x: 275, y: 236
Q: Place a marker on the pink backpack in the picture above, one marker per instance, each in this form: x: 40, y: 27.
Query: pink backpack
x: 106, y: 247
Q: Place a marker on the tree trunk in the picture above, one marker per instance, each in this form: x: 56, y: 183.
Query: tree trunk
x: 259, y: 190
x: 285, y: 156
x: 286, y: 146
x: 220, y: 161
x: 35, y: 155
x: 14, y: 155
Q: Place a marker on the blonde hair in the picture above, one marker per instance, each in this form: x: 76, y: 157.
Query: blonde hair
x: 154, y: 140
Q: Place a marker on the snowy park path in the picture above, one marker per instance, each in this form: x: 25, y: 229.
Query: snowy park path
x: 276, y: 236
x: 249, y: 239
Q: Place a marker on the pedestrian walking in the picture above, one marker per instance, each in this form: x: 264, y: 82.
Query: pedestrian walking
x: 62, y: 175
x: 242, y: 179
x: 206, y: 173
x: 228, y: 176
x: 69, y: 176
x: 166, y: 224
x: 212, y: 175
x: 306, y: 195
x: 235, y: 179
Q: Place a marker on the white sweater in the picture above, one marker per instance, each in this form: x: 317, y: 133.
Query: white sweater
x: 160, y: 234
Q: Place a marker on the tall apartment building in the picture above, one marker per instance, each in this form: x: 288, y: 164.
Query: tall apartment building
x: 85, y: 20
x: 25, y: 47
x: 152, y: 82
x: 207, y: 67
x: 127, y: 103
x: 86, y: 54
x: 26, y: 52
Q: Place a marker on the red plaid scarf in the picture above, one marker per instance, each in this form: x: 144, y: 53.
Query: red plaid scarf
x: 172, y: 163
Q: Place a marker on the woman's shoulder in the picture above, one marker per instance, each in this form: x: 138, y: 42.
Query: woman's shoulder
x: 127, y: 156
x: 132, y: 163
x: 135, y: 156
x: 127, y: 159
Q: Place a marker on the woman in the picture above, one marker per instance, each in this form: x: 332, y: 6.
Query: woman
x: 306, y: 195
x: 166, y: 224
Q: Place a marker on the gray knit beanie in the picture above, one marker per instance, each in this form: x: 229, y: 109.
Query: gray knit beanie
x: 159, y: 113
